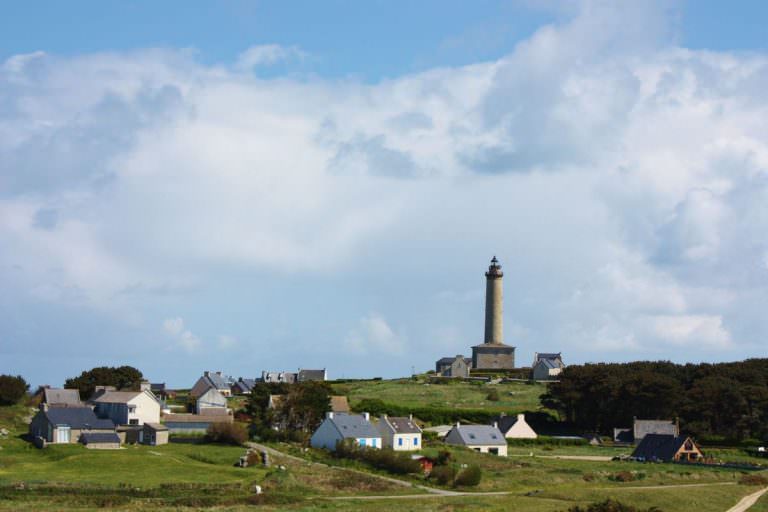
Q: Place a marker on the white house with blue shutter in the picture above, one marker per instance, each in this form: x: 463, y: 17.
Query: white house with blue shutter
x: 337, y: 427
x: 400, y: 433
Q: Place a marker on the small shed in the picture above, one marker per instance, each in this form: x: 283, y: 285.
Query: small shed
x: 154, y: 434
x: 425, y: 462
x: 100, y: 440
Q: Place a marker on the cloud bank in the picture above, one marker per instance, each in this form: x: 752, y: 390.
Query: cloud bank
x: 620, y: 178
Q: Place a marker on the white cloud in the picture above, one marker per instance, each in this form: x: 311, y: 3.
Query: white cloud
x: 227, y: 342
x: 183, y: 337
x: 267, y: 54
x: 620, y: 178
x: 373, y: 335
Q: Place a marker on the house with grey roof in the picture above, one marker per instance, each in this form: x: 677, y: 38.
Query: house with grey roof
x: 128, y: 407
x: 456, y: 366
x: 340, y: 427
x: 311, y: 375
x: 547, y: 366
x: 65, y: 425
x: 278, y: 377
x: 515, y: 427
x: 667, y: 448
x: 481, y: 438
x: 56, y: 397
x: 215, y: 380
x: 641, y: 428
x: 242, y: 386
x: 400, y: 433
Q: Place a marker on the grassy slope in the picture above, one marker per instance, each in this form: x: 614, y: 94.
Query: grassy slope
x: 514, y: 397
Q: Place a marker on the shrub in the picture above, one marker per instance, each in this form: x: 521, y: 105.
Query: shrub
x: 443, y: 457
x: 623, y: 476
x: 12, y: 389
x: 611, y: 506
x: 469, y: 477
x: 386, y: 458
x: 226, y: 433
x: 589, y: 477
x: 753, y: 480
x: 493, y: 395
x: 443, y: 475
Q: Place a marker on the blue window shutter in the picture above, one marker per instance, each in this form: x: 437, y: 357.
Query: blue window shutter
x: 362, y: 442
x: 400, y: 441
x: 415, y: 441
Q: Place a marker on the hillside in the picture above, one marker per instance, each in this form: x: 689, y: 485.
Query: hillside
x: 513, y: 397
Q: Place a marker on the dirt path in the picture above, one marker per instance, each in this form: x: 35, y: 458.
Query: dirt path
x: 747, y: 501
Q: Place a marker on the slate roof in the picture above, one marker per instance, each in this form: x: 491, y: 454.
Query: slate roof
x: 155, y: 426
x: 99, y: 437
x: 310, y: 375
x: 117, y: 397
x: 645, y: 427
x: 77, y: 418
x: 473, y: 435
x: 505, y: 422
x: 445, y: 360
x: 545, y: 355
x: 661, y: 447
x: 404, y: 425
x: 354, y: 426
x: 59, y: 397
x: 550, y: 364
x: 217, y: 381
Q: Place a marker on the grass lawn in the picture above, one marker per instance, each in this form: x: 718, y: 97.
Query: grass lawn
x: 513, y: 397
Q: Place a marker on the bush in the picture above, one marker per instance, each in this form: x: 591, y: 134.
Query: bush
x: 12, y: 389
x: 443, y: 457
x: 443, y: 475
x: 753, y: 480
x: 469, y: 477
x: 385, y: 458
x: 226, y: 433
x: 493, y: 395
x: 623, y: 476
x: 611, y: 506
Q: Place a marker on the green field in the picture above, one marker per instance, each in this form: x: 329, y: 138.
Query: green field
x: 513, y: 397
x: 201, y: 476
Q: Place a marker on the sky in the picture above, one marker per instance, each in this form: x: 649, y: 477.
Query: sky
x: 248, y: 186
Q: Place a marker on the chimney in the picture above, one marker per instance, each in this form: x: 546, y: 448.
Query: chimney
x: 145, y: 386
x: 458, y: 424
x: 410, y: 417
x: 521, y: 417
x: 218, y: 373
x: 206, y: 373
x: 367, y: 416
x: 329, y: 415
x: 496, y: 424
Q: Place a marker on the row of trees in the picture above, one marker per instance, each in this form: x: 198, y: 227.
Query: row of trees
x: 728, y: 400
x: 12, y: 389
x: 121, y: 377
x: 299, y: 411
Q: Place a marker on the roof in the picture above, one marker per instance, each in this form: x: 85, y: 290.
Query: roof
x: 62, y: 397
x: 217, y: 380
x: 354, y: 425
x: 308, y: 375
x: 156, y: 426
x: 550, y: 355
x: 339, y: 404
x: 403, y: 425
x: 77, y: 417
x: 117, y: 397
x: 472, y: 435
x: 157, y: 386
x: 196, y: 418
x: 548, y: 363
x: 659, y: 447
x: 445, y: 360
x: 505, y: 422
x: 99, y: 437
x: 645, y: 427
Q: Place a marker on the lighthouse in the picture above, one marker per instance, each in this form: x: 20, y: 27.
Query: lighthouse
x: 493, y: 354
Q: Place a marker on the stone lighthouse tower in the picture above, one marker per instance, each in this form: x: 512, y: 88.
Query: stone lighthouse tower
x: 493, y: 354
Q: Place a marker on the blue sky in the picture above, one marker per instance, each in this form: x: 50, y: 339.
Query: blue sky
x: 243, y: 186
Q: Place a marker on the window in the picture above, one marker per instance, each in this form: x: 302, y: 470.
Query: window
x: 399, y: 441
x: 133, y: 422
x: 415, y: 441
x: 373, y: 442
x: 362, y: 442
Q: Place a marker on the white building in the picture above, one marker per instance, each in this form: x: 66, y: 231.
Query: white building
x: 400, y: 433
x: 515, y: 427
x: 481, y: 438
x: 337, y: 427
x: 128, y: 407
x: 211, y: 401
x: 547, y: 366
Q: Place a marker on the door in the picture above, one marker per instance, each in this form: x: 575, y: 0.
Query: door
x: 63, y: 434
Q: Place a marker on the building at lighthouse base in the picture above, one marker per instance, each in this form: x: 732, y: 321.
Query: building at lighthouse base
x: 493, y: 356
